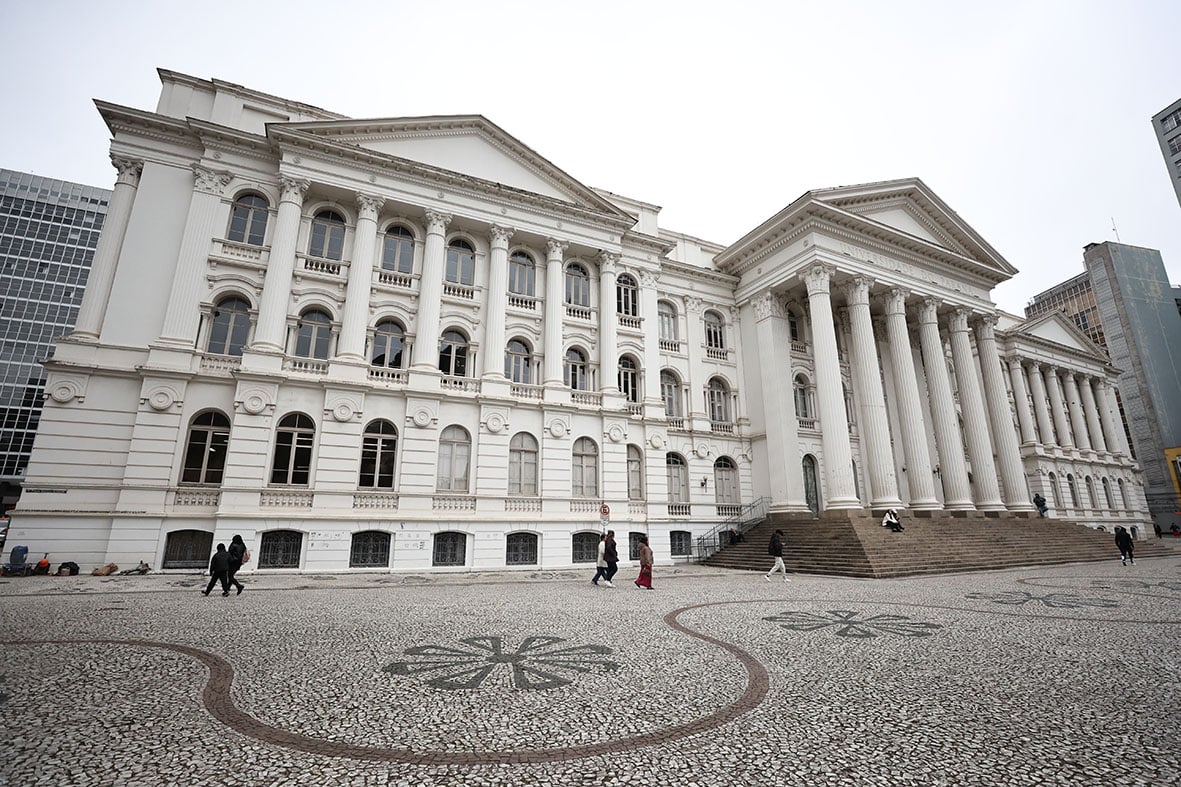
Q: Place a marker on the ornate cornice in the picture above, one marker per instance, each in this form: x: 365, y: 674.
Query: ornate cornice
x: 209, y: 181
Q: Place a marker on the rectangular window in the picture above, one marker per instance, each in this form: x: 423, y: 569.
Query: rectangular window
x: 680, y: 543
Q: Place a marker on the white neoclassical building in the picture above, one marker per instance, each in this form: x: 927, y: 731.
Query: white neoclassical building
x: 413, y: 343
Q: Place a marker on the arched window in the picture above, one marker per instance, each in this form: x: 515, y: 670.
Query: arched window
x: 793, y: 327
x: 718, y: 401
x: 627, y: 296
x: 292, y: 463
x: 1055, y: 492
x: 450, y: 549
x: 327, y: 238
x: 205, y: 452
x: 230, y: 327
x: 397, y: 253
x: 576, y: 370
x: 453, y: 354
x: 1107, y: 495
x: 1123, y: 493
x: 726, y: 482
x: 1073, y: 491
x: 379, y: 449
x: 187, y: 549
x: 670, y: 391
x: 802, y: 399
x: 584, y: 476
x: 280, y: 549
x: 629, y: 379
x: 370, y: 549
x: 577, y: 285
x: 680, y: 543
x: 584, y: 548
x: 715, y: 337
x: 522, y: 274
x: 518, y: 362
x: 666, y: 321
x: 389, y: 339
x: 313, y: 335
x: 461, y: 263
x: 635, y: 473
x: 1092, y: 498
x: 521, y: 549
x: 455, y: 453
x: 522, y: 465
x: 678, y: 478
x: 811, y: 484
x: 248, y: 220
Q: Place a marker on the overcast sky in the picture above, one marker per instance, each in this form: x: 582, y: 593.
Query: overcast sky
x: 1031, y: 119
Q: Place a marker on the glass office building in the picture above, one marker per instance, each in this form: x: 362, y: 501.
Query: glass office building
x: 48, y: 233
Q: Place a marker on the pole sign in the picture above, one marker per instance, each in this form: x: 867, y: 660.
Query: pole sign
x: 604, y: 514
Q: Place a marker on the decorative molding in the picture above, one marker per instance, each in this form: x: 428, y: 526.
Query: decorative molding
x: 500, y: 235
x: 694, y: 305
x: 293, y: 189
x: 649, y: 279
x: 65, y: 390
x: 436, y: 222
x: 554, y: 249
x: 210, y: 181
x: 818, y: 277
x: 857, y: 290
x: 256, y: 401
x: 558, y: 428
x: 657, y: 441
x: 615, y: 433
x: 767, y: 305
x: 343, y: 408
x: 129, y: 170
x: 161, y: 398
x: 369, y: 206
x: 422, y: 418
x: 496, y: 422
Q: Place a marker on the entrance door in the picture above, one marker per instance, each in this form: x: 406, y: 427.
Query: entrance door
x: 811, y: 485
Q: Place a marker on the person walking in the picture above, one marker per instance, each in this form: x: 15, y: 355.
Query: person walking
x: 890, y: 520
x: 239, y: 554
x: 775, y: 548
x: 219, y: 571
x: 1040, y: 503
x: 1156, y: 529
x: 1126, y: 548
x: 645, y: 579
x: 610, y: 557
x: 601, y: 564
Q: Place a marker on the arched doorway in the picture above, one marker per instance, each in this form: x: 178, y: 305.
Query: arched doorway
x: 187, y: 549
x: 811, y: 484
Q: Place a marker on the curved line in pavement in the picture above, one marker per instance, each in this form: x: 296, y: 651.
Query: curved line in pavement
x: 219, y: 703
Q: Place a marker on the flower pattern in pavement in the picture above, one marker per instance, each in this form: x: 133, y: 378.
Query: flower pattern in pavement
x: 537, y: 663
x: 1017, y: 598
x: 1136, y: 583
x: 847, y: 624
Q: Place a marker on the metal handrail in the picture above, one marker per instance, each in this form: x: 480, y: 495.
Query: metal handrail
x: 748, y: 517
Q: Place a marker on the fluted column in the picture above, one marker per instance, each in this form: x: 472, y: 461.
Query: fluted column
x: 841, y: 491
x: 355, y: 321
x: 1075, y: 407
x: 554, y: 309
x: 695, y: 346
x: 496, y: 303
x: 867, y: 377
x: 430, y: 292
x: 957, y: 492
x: 608, y: 324
x: 99, y: 281
x: 785, y: 471
x: 1016, y: 491
x: 1037, y: 388
x: 1021, y: 400
x: 1057, y: 408
x: 910, y: 408
x: 182, y: 316
x: 649, y: 307
x: 988, y: 492
x: 1091, y: 413
x: 1113, y: 425
x: 271, y: 333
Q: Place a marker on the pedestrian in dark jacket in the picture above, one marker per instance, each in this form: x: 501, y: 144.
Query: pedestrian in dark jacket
x: 775, y: 549
x: 237, y: 552
x: 219, y: 571
x: 611, y: 556
x: 1039, y: 502
x: 1123, y: 540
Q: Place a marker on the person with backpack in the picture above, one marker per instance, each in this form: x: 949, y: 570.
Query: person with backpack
x: 1126, y: 548
x: 239, y: 554
x: 775, y: 548
x: 219, y: 571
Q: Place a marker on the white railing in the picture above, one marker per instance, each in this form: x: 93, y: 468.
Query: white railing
x: 305, y: 365
x: 320, y: 265
x: 679, y: 509
x: 721, y: 427
x: 382, y: 374
x: 197, y: 497
x: 526, y: 302
x: 393, y: 279
x: 583, y: 506
x: 729, y: 510
x: 636, y: 409
x: 578, y: 312
x: 676, y: 424
x: 799, y: 348
x: 522, y: 391
x: 453, y: 503
x: 807, y: 423
x: 235, y: 250
x: 670, y: 345
x: 452, y: 383
x: 522, y: 504
x: 223, y: 364
x: 376, y: 500
x: 717, y: 353
x: 586, y: 397
x: 277, y: 499
x: 627, y: 321
x: 459, y: 291
x: 635, y: 507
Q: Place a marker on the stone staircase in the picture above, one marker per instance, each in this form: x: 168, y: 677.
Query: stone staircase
x: 854, y: 544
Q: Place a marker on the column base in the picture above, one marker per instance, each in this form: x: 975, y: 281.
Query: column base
x: 885, y: 503
x: 842, y: 504
x: 991, y: 505
x: 930, y: 504
x: 959, y: 505
x: 1024, y: 505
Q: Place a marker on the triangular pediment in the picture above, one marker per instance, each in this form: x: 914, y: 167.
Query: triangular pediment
x: 1059, y: 329
x: 470, y: 145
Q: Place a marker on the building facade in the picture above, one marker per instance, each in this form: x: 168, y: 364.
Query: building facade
x: 415, y: 343
x: 1166, y: 124
x: 48, y: 232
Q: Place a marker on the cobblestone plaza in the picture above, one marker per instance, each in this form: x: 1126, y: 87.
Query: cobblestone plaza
x: 1053, y: 675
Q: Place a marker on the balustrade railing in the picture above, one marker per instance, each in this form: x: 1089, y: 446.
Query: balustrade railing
x: 382, y: 374
x: 320, y: 265
x: 676, y: 424
x: 670, y: 345
x: 680, y: 509
x: 627, y: 321
x: 522, y: 504
x: 452, y: 383
x: 394, y: 279
x: 384, y: 501
x: 459, y: 291
x: 306, y: 365
x: 220, y: 364
x: 583, y: 506
x: 197, y: 498
x: 717, y: 353
x: 586, y: 397
x: 453, y: 503
x: 243, y: 252
x: 526, y: 302
x: 285, y: 499
x: 578, y: 312
x: 522, y: 391
x: 721, y: 427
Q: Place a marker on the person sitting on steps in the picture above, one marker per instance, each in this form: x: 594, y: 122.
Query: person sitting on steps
x: 890, y: 520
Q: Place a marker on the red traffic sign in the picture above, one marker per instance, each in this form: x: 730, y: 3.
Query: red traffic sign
x: 604, y: 510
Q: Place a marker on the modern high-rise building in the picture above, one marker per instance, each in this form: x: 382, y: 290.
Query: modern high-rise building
x: 48, y: 233
x: 418, y: 344
x: 1167, y: 125
x: 1125, y: 303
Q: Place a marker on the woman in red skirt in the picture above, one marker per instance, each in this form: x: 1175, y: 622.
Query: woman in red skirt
x: 645, y: 579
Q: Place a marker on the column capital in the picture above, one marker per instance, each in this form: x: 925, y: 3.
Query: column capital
x: 129, y: 169
x: 210, y: 181
x: 766, y: 305
x: 436, y: 222
x: 607, y: 261
x: 694, y: 305
x: 1035, y: 367
x: 649, y: 279
x: 857, y: 290
x: 555, y: 248
x: 500, y: 235
x: 817, y: 277
x: 958, y: 323
x: 293, y: 189
x: 929, y: 311
x: 894, y: 300
x: 986, y: 326
x: 369, y: 206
